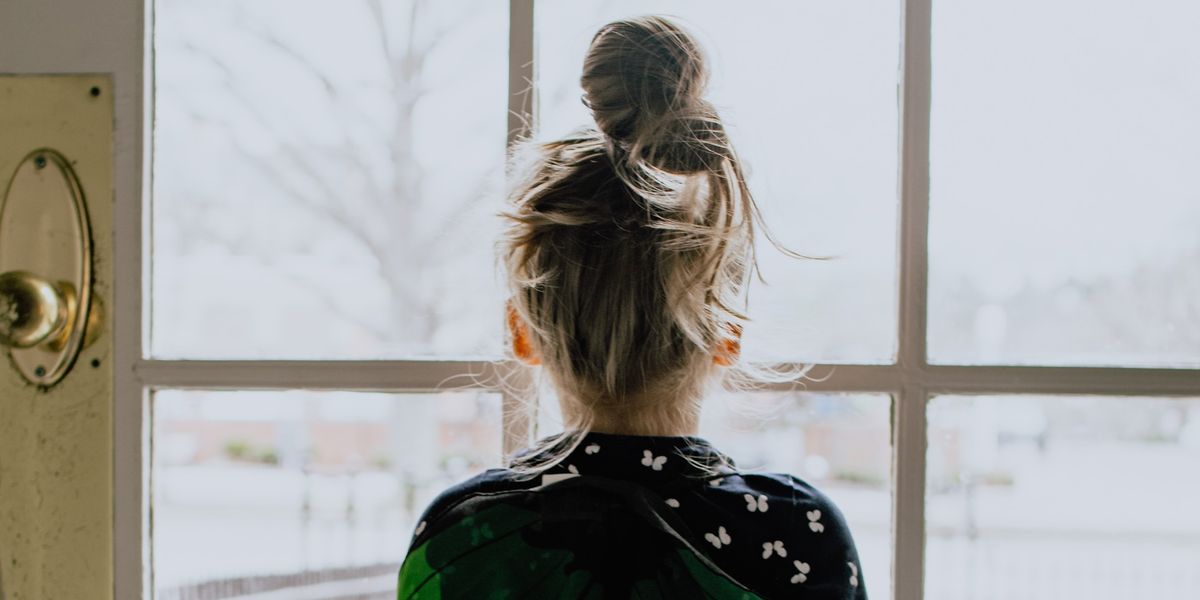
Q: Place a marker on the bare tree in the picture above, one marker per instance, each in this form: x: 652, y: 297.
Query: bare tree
x: 383, y: 205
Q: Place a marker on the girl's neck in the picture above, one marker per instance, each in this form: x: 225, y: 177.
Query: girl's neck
x: 672, y: 425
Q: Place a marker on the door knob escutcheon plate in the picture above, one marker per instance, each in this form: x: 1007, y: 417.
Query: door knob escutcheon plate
x: 45, y: 236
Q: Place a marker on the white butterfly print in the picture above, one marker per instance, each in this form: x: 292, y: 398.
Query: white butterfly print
x: 654, y: 462
x: 774, y: 548
x: 591, y: 449
x: 715, y: 482
x: 721, y: 538
x: 853, y: 574
x: 753, y: 504
x: 802, y: 570
x: 814, y: 521
x: 572, y: 469
x: 673, y: 503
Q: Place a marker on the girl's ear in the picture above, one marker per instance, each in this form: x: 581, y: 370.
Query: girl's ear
x: 519, y: 334
x: 728, y: 349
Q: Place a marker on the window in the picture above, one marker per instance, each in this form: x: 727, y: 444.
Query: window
x: 250, y: 484
x: 342, y: 166
x: 1007, y: 198
x: 809, y: 97
x: 1061, y: 496
x: 1063, y: 201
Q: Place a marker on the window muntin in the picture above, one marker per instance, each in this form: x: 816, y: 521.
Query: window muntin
x: 1064, y: 208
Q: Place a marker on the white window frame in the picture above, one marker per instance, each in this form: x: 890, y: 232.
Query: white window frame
x: 911, y: 380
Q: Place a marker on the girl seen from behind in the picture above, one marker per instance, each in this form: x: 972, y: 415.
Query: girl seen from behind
x: 628, y: 252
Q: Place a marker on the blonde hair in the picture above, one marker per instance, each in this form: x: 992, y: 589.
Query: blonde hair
x: 630, y: 246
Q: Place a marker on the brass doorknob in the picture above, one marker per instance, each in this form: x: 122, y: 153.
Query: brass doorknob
x: 32, y: 309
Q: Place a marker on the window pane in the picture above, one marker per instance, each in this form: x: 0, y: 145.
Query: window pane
x: 276, y: 490
x: 840, y: 443
x: 325, y: 184
x: 808, y: 91
x: 1065, y: 193
x: 1063, y: 497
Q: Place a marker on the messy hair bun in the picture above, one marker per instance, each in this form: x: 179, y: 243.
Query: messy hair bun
x: 630, y: 245
x: 644, y: 81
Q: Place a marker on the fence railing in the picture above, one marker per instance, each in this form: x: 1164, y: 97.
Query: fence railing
x: 370, y: 582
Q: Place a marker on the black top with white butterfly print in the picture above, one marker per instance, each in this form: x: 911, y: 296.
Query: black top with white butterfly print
x: 773, y: 534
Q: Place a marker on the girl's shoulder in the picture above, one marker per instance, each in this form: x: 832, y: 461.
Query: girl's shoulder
x: 783, y: 533
x: 491, y: 481
x: 798, y: 502
x: 772, y: 533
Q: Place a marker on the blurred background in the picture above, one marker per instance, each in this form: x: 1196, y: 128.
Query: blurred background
x: 326, y: 178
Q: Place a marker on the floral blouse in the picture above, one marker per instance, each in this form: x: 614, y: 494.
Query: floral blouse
x: 633, y: 517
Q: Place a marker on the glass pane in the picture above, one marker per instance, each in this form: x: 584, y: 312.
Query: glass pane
x: 808, y: 92
x: 1063, y: 497
x: 840, y: 443
x: 258, y: 491
x: 325, y: 185
x: 1064, y: 187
